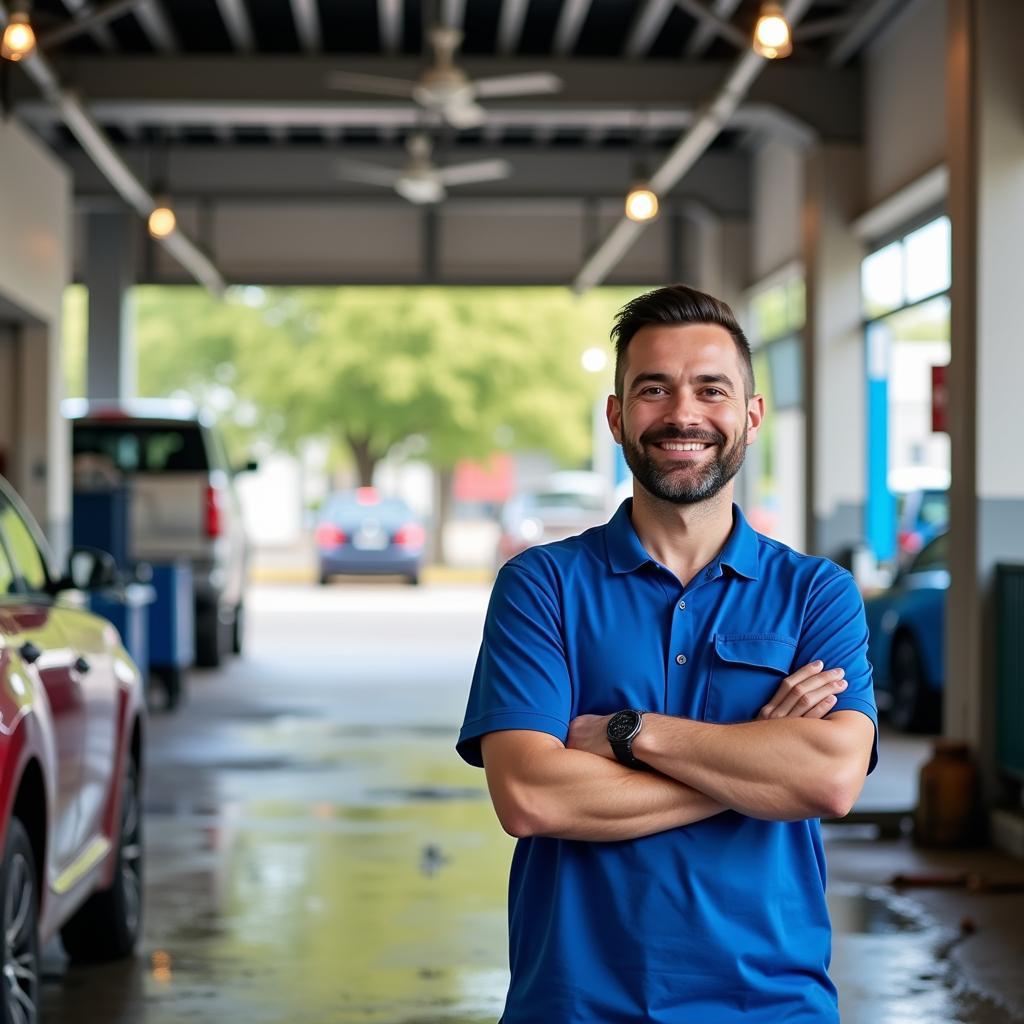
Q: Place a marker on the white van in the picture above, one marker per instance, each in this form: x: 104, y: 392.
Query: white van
x: 183, y: 502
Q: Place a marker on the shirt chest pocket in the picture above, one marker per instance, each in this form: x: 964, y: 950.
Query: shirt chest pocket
x: 746, y: 670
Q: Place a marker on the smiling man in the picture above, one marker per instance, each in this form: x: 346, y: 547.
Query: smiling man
x: 665, y: 706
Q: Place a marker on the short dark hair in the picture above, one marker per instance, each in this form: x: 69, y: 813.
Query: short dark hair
x: 677, y: 304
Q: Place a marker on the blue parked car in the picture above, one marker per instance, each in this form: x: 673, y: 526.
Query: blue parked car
x: 906, y: 624
x: 361, y: 532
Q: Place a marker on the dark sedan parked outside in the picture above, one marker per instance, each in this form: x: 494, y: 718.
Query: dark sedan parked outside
x: 363, y: 533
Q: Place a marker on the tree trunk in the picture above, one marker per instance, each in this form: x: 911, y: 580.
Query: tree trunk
x: 444, y: 478
x: 366, y: 461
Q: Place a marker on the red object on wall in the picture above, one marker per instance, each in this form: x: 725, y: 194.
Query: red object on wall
x: 940, y: 400
x: 490, y: 481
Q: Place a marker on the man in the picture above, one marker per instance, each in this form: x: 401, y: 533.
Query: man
x: 661, y: 708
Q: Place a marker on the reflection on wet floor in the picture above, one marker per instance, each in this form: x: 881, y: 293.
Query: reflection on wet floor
x: 303, y: 894
x: 312, y: 863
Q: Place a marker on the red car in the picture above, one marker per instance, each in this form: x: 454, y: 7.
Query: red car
x: 71, y: 734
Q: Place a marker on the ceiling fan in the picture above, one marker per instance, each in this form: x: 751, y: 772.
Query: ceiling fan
x: 420, y: 181
x: 445, y: 88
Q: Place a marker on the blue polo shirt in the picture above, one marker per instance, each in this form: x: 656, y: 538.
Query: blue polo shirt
x: 720, y: 921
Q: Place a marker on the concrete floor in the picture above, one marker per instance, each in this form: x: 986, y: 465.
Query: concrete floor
x: 317, y: 853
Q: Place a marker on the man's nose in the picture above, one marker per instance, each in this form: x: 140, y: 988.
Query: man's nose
x: 684, y: 410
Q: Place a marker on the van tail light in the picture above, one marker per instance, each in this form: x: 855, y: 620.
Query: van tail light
x: 214, y: 512
x: 410, y: 536
x: 327, y: 535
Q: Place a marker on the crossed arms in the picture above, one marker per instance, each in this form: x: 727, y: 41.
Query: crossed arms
x: 776, y: 768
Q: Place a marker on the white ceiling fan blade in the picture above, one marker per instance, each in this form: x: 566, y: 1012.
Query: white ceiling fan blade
x: 421, y: 189
x: 351, y: 81
x: 477, y: 171
x: 533, y: 83
x: 465, y: 115
x: 368, y: 174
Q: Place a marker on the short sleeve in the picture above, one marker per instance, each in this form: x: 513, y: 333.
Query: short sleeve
x: 521, y: 680
x: 835, y: 630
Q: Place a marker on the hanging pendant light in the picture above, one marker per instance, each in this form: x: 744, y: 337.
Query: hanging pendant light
x: 772, y: 36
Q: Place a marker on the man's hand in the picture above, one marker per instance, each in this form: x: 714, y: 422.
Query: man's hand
x: 808, y: 693
x: 590, y: 733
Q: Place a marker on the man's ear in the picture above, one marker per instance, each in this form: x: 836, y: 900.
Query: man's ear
x: 755, y: 416
x: 613, y: 413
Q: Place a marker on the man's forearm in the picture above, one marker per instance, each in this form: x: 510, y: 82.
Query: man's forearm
x: 777, y: 769
x: 572, y: 794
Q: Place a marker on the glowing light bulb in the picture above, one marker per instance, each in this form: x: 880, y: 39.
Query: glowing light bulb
x: 772, y: 38
x: 641, y: 204
x: 594, y: 360
x: 19, y: 40
x: 162, y: 221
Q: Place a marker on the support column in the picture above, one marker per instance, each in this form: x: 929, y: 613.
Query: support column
x: 985, y: 82
x: 110, y: 273
x: 834, y: 391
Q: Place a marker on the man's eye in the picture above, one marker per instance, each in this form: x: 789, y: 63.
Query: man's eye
x: 652, y: 389
x: 714, y: 391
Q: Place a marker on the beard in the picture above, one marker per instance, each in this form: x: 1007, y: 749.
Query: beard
x: 683, y: 483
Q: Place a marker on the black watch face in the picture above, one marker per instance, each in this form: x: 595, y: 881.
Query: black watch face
x: 623, y: 725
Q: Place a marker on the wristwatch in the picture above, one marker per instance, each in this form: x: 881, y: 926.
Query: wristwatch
x: 622, y: 730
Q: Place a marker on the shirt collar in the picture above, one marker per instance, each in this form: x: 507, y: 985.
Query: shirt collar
x: 627, y: 554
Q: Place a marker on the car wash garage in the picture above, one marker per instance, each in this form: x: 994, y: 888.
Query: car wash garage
x: 304, y: 336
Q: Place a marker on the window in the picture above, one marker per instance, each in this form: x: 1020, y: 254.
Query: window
x: 8, y: 584
x: 933, y: 557
x: 29, y: 566
x: 142, y: 449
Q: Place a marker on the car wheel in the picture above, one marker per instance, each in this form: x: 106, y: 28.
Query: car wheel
x: 108, y: 924
x: 414, y: 580
x: 18, y: 889
x: 208, y: 638
x: 914, y: 706
x: 238, y: 629
x: 325, y: 579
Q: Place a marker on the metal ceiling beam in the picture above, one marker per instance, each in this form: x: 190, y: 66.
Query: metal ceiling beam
x: 570, y: 24
x: 389, y: 16
x: 708, y: 124
x: 703, y: 34
x: 203, y: 88
x: 868, y: 19
x: 510, y: 25
x: 236, y: 21
x: 101, y: 33
x: 752, y: 116
x: 230, y: 173
x: 87, y: 19
x: 453, y: 13
x: 121, y: 177
x: 151, y: 16
x: 307, y: 25
x: 649, y: 22
x: 720, y: 26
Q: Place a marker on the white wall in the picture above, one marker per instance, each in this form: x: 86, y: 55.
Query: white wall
x: 35, y: 268
x: 905, y: 100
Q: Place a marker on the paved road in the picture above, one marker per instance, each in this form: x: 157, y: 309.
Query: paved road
x: 317, y: 853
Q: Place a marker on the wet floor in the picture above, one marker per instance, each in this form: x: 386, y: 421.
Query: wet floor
x: 316, y: 853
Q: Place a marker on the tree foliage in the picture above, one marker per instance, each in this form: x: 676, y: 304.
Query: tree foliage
x: 467, y: 371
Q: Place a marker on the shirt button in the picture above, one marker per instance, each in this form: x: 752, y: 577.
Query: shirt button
x: 682, y: 606
x: 680, y: 659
